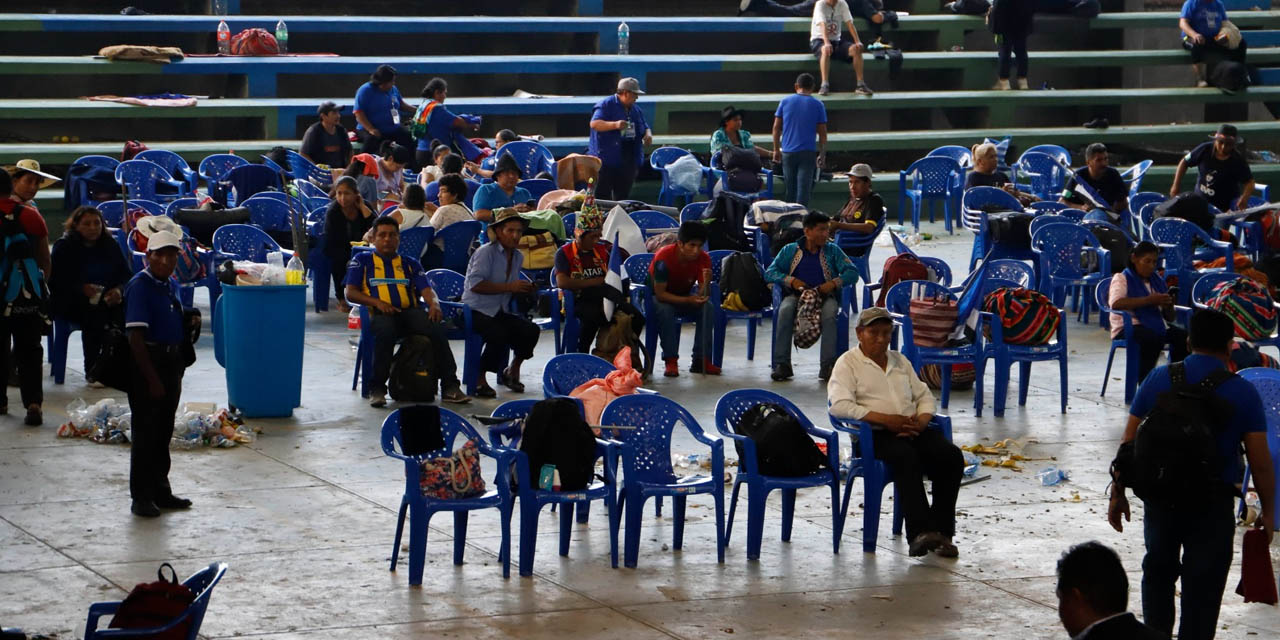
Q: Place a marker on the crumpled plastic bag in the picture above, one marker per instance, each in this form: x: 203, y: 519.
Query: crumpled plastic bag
x: 105, y: 421
x: 596, y: 393
x: 685, y: 172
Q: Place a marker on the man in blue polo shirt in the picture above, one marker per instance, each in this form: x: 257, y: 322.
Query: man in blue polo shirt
x: 618, y: 136
x: 1192, y: 538
x: 378, y: 108
x: 800, y: 139
x: 390, y: 285
x: 153, y: 321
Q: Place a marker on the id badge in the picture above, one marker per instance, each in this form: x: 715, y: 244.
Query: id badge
x: 395, y: 116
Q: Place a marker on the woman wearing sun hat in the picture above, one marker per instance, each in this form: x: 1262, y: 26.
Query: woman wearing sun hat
x: 29, y: 179
x: 731, y: 133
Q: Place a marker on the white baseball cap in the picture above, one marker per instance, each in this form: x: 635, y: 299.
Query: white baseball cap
x: 161, y: 239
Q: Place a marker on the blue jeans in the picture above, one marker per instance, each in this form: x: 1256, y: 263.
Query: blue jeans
x: 800, y: 168
x: 669, y: 327
x: 786, y: 329
x: 1203, y: 535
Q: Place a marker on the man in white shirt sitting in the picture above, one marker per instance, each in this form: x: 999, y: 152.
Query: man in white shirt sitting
x: 875, y: 385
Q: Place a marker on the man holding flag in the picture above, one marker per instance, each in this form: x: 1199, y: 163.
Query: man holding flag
x: 592, y: 270
x: 1097, y: 188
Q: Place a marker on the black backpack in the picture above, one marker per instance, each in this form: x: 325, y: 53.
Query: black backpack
x: 1230, y: 76
x: 1188, y: 205
x: 740, y: 273
x: 1174, y: 457
x: 413, y: 377
x: 783, y: 447
x: 1115, y: 241
x: 786, y: 229
x: 742, y: 169
x: 1011, y: 229
x: 724, y: 219
x: 555, y: 434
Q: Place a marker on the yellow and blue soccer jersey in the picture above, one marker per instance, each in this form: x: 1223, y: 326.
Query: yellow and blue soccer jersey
x: 396, y: 280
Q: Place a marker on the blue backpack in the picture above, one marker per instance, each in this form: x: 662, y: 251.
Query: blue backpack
x: 21, y: 281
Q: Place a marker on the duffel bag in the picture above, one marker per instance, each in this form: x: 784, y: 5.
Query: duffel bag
x: 1027, y: 316
x: 1249, y: 304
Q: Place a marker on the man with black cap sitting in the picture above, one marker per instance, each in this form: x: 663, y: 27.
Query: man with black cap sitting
x: 326, y: 141
x: 378, y: 108
x: 502, y: 192
x: 878, y: 386
x: 1225, y: 179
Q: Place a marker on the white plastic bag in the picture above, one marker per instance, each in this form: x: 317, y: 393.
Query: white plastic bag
x: 685, y: 173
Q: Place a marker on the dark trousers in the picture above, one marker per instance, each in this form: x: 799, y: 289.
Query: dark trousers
x: 1015, y: 44
x: 151, y: 422
x: 1214, y: 49
x: 503, y: 332
x: 913, y: 458
x: 803, y: 9
x: 388, y: 328
x: 1151, y: 344
x: 588, y: 308
x: 1194, y: 543
x: 614, y: 181
x: 24, y: 331
x: 94, y: 320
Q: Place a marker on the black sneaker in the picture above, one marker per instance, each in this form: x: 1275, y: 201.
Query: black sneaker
x: 173, y: 502
x: 34, y: 417
x: 145, y: 509
x: 781, y: 372
x: 824, y: 374
x: 924, y: 543
x: 1097, y: 123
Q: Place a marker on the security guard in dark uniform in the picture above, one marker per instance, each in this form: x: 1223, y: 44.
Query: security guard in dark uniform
x: 153, y: 320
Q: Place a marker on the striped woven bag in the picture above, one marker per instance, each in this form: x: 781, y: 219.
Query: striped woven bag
x: 1249, y: 305
x: 1027, y: 316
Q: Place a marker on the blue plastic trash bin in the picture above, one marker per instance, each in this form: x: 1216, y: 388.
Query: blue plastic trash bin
x: 257, y: 337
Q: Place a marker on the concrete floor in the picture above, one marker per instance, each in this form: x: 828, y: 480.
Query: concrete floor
x: 305, y: 518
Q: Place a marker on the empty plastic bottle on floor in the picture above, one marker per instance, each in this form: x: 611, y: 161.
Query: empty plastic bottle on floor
x: 282, y: 36
x: 224, y: 38
x: 1052, y: 475
x: 624, y: 39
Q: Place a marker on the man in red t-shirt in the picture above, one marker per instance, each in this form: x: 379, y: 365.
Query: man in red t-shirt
x: 24, y: 324
x: 675, y: 269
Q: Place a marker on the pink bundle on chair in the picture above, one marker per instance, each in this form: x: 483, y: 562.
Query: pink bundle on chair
x: 596, y: 393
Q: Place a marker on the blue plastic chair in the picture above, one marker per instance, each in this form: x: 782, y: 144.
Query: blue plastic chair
x: 532, y: 157
x: 851, y: 242
x: 1046, y: 207
x: 113, y: 210
x: 876, y: 475
x: 729, y: 411
x: 659, y: 159
x: 144, y: 180
x: 1267, y: 382
x: 537, y: 187
x: 646, y: 466
x: 1058, y: 152
x: 637, y: 270
x: 941, y: 270
x: 842, y: 320
x: 717, y: 173
x: 1124, y: 341
x: 693, y: 211
x: 1181, y: 244
x: 961, y: 155
x: 447, y: 286
x: 82, y: 197
x: 175, y: 165
x: 413, y: 242
x: 1046, y: 219
x: 458, y: 239
x: 570, y: 221
x: 932, y: 179
x: 507, y: 435
x: 58, y: 344
x: 247, y: 180
x: 1133, y: 176
x: 654, y: 222
x: 269, y: 214
x: 1004, y: 354
x: 1059, y: 247
x: 1249, y: 236
x: 974, y: 218
x: 200, y: 583
x: 307, y: 190
x: 421, y: 507
x: 898, y: 303
x: 1041, y: 174
x: 1137, y: 202
x: 304, y: 170
x: 214, y: 169
x: 723, y: 316
x: 565, y: 372
x: 181, y: 203
x: 240, y: 242
x: 1015, y: 271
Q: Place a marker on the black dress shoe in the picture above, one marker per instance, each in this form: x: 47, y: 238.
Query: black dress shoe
x: 173, y: 502
x: 145, y: 509
x: 782, y: 372
x: 1097, y: 123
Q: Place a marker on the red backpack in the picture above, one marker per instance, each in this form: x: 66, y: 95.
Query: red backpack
x: 904, y: 266
x: 155, y: 604
x: 254, y: 42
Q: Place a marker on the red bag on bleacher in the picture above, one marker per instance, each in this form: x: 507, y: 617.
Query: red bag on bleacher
x: 254, y: 42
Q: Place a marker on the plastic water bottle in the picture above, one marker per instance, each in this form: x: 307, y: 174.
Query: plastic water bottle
x: 219, y: 7
x: 1052, y: 475
x: 224, y: 38
x: 282, y: 36
x: 624, y: 39
x: 294, y: 273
